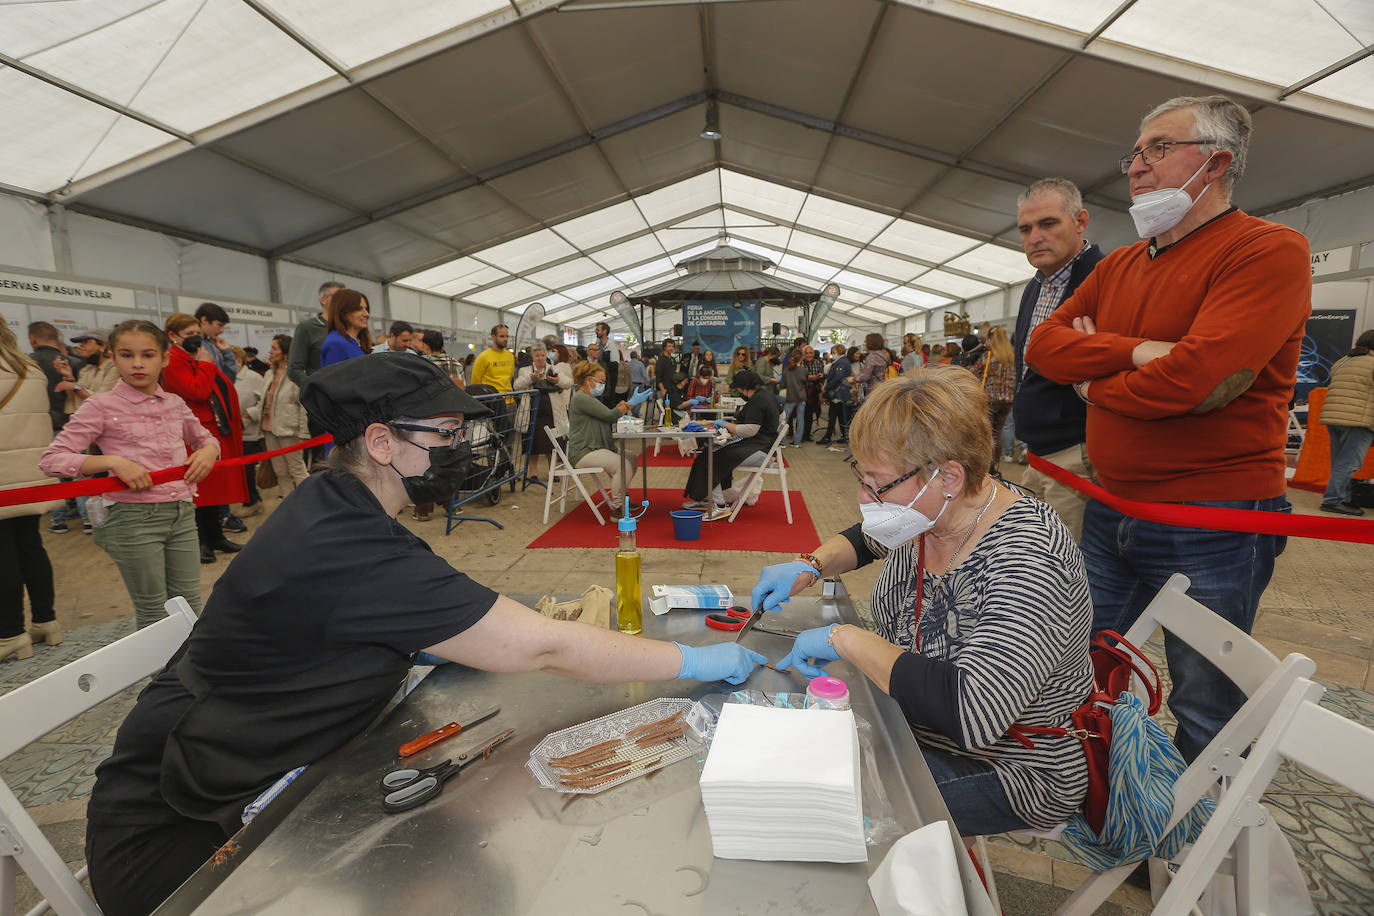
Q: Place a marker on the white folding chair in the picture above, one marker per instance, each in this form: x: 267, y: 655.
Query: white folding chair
x: 31, y: 711
x: 1254, y: 669
x: 562, y: 471
x: 1301, y: 731
x: 774, y: 465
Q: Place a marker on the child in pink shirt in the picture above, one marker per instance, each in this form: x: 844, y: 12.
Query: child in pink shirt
x: 148, y: 530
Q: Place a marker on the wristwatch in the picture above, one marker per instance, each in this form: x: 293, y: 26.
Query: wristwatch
x: 78, y: 387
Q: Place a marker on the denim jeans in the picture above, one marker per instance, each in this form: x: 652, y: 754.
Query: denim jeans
x: 1129, y: 561
x: 155, y: 547
x: 1348, y: 447
x: 796, y: 419
x: 972, y: 793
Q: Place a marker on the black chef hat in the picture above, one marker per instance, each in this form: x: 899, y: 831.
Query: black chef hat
x: 347, y: 397
x: 747, y: 378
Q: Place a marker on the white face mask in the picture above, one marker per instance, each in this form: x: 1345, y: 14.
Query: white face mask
x: 598, y: 389
x: 1156, y: 212
x: 892, y: 524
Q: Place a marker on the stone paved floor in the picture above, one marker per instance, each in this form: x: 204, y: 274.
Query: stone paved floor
x: 1315, y: 605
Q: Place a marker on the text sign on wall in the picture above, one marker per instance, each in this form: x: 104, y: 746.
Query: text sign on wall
x: 721, y: 326
x: 241, y: 311
x: 70, y: 291
x: 1332, y: 261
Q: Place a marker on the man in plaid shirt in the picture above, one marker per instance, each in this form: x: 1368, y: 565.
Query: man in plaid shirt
x: 1050, y: 418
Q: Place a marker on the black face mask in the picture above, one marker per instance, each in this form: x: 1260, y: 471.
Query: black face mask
x: 192, y: 344
x: 448, y: 468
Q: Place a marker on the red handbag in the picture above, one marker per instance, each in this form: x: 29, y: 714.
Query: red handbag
x: 1113, y: 666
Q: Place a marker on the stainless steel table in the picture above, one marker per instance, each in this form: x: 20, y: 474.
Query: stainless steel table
x: 495, y: 843
x: 623, y: 440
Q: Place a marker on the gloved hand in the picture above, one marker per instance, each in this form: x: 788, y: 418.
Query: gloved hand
x: 721, y: 422
x: 639, y: 397
x: 699, y: 400
x: 776, y: 582
x: 726, y: 661
x: 814, y: 644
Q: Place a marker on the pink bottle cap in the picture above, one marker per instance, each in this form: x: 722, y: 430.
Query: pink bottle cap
x: 828, y: 688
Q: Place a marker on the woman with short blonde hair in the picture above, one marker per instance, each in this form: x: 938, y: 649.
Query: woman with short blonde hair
x: 981, y: 609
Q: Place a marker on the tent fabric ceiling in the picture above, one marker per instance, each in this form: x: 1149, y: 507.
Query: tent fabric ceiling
x: 501, y: 151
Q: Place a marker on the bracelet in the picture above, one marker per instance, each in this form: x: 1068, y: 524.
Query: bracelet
x: 810, y: 560
x: 830, y: 637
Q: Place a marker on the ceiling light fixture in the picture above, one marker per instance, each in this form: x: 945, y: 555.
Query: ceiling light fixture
x: 712, y: 129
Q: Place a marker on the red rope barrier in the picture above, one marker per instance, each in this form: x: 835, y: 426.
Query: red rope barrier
x: 1215, y: 518
x: 94, y: 486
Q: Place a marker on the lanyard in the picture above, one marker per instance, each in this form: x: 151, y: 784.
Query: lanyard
x: 920, y: 587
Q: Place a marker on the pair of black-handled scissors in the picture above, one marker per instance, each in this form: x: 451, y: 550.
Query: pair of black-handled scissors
x: 409, y: 788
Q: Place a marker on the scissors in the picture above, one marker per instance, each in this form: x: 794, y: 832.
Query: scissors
x: 736, y: 617
x: 409, y: 788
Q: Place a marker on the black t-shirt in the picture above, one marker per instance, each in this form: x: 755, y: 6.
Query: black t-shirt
x: 304, y: 639
x: 762, y: 409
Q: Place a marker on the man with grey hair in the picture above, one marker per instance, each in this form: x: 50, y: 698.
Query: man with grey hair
x: 1048, y: 416
x: 1185, y: 348
x: 309, y: 337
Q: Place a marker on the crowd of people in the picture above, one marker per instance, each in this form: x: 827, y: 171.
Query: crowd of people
x: 1153, y: 369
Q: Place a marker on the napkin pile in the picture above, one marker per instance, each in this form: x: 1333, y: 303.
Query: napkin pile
x: 783, y: 785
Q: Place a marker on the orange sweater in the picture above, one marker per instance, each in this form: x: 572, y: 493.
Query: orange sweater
x: 1235, y: 295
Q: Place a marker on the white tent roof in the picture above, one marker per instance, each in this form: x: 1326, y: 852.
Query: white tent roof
x: 503, y: 151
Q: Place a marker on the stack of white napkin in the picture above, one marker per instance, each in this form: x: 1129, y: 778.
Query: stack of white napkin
x: 783, y: 784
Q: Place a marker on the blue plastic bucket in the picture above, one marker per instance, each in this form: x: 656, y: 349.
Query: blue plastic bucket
x: 686, y: 524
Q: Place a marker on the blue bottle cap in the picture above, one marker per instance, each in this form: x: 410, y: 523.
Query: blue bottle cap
x: 627, y: 521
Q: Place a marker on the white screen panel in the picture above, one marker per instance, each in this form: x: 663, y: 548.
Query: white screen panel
x: 356, y: 31
x: 677, y: 200
x: 614, y: 222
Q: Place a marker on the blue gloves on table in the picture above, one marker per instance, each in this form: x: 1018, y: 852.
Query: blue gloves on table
x: 774, y: 587
x: 721, y: 422
x: 699, y: 400
x: 726, y: 661
x: 693, y: 427
x: 640, y: 397
x: 813, y: 644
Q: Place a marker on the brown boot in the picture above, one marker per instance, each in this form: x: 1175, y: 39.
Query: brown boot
x: 20, y: 646
x: 50, y: 632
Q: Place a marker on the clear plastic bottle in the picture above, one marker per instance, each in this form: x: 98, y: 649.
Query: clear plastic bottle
x: 629, y: 591
x: 827, y: 693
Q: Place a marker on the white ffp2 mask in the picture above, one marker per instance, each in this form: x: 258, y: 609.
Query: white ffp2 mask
x: 1159, y: 211
x: 893, y: 524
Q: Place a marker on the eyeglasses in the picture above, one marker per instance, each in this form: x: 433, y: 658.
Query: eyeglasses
x: 452, y: 434
x: 1157, y: 151
x: 877, y: 494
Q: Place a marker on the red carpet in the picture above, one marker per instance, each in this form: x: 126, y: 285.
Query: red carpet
x: 762, y: 526
x: 669, y: 458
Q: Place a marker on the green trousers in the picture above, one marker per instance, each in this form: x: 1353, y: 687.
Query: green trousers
x: 158, y: 553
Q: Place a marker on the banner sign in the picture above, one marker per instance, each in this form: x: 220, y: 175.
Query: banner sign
x: 721, y: 326
x: 1332, y: 261
x: 621, y: 303
x: 821, y: 310
x: 241, y: 311
x: 91, y: 295
x: 1330, y: 334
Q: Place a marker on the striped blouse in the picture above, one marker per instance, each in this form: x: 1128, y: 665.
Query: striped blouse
x: 1008, y: 630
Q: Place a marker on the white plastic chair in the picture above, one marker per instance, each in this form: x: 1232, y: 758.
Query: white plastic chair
x: 1301, y: 731
x: 1254, y: 669
x: 561, y: 470
x: 772, y: 465
x: 31, y: 711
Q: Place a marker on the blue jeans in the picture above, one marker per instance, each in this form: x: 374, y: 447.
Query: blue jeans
x: 796, y: 418
x: 1348, y: 447
x: 972, y: 793
x: 1129, y: 561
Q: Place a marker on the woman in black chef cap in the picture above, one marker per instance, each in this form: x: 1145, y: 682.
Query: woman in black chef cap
x: 312, y: 628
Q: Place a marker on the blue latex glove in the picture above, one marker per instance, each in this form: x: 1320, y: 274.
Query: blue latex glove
x: 813, y: 644
x: 774, y: 587
x: 725, y: 661
x: 640, y: 397
x: 721, y: 422
x: 694, y: 427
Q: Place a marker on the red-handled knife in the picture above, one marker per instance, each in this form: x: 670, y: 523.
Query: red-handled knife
x: 411, y: 748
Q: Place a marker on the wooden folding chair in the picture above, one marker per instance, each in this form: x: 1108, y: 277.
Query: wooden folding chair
x: 31, y: 711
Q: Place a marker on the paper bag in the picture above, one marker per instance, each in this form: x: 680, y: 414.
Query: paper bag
x: 594, y: 607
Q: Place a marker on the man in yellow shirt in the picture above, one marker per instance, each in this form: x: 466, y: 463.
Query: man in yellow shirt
x: 495, y: 366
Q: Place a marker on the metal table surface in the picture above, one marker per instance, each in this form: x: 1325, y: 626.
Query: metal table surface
x: 494, y: 842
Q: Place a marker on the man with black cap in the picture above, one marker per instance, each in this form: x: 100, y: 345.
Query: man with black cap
x: 314, y: 626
